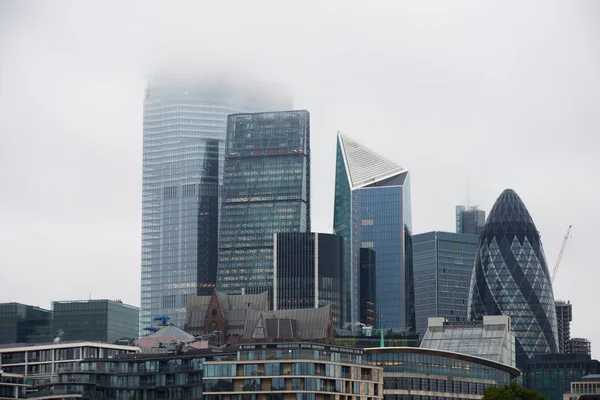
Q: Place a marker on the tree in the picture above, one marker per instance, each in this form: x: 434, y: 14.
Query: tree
x: 513, y: 391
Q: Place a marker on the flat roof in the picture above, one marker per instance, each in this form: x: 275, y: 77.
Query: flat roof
x: 587, y: 378
x: 16, y: 347
x: 449, y: 354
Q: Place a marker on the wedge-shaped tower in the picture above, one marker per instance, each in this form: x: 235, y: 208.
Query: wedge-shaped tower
x: 372, y: 210
x: 511, y: 277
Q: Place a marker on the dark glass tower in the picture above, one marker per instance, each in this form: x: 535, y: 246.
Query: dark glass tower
x: 511, y: 277
x: 443, y: 265
x: 309, y: 272
x: 22, y: 323
x: 367, y: 287
x: 372, y: 210
x: 266, y: 190
x: 184, y: 135
x: 95, y: 320
x: 469, y: 220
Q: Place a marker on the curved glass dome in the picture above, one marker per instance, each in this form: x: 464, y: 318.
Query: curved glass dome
x: 511, y: 277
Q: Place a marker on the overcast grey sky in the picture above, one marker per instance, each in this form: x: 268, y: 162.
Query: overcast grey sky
x: 479, y: 94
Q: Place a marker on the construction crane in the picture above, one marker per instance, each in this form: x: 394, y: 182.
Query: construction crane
x: 562, y: 250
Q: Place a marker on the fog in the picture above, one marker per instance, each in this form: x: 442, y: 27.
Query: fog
x: 472, y: 97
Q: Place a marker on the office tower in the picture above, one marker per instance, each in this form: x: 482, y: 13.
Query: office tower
x: 552, y: 374
x: 469, y: 220
x: 443, y: 265
x: 309, y: 272
x: 184, y: 134
x: 564, y: 316
x: 372, y: 210
x: 511, y: 277
x: 94, y: 320
x: 367, y: 287
x: 566, y: 344
x: 266, y: 190
x: 22, y: 323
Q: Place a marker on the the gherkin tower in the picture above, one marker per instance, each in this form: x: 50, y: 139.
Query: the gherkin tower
x: 511, y: 277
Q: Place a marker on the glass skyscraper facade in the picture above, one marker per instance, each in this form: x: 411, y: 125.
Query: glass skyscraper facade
x: 310, y: 272
x: 22, y: 323
x: 184, y: 134
x: 266, y: 191
x: 94, y: 320
x: 443, y: 265
x: 372, y: 210
x: 469, y: 220
x: 511, y: 277
x: 552, y: 374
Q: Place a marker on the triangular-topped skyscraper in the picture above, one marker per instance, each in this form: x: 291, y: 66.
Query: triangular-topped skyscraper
x: 372, y: 211
x: 363, y: 166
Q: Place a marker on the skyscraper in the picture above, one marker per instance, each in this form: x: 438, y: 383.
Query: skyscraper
x: 184, y: 134
x: 564, y: 316
x: 372, y: 210
x: 443, y: 265
x: 469, y: 220
x: 309, y: 271
x: 567, y: 344
x: 266, y: 191
x: 511, y: 277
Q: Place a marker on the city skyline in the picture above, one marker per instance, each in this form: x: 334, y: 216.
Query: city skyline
x: 71, y: 151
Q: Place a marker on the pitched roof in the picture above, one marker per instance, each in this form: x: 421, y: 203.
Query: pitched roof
x: 171, y: 333
x: 232, y: 306
x: 258, y: 301
x: 364, y: 166
x: 304, y: 323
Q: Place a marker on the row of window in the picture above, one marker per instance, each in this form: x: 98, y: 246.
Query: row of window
x: 434, y: 385
x: 59, y: 354
x: 300, y: 384
x: 436, y: 365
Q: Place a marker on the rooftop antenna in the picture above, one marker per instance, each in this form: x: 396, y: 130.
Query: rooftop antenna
x: 468, y: 191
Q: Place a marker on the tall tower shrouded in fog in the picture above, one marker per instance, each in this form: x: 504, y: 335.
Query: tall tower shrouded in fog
x: 372, y: 211
x: 183, y: 152
x: 511, y: 277
x: 469, y: 220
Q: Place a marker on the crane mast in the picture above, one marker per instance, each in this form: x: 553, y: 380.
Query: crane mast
x: 560, y: 254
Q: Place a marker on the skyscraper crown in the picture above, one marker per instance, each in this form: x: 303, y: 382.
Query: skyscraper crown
x: 510, y: 211
x: 364, y: 166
